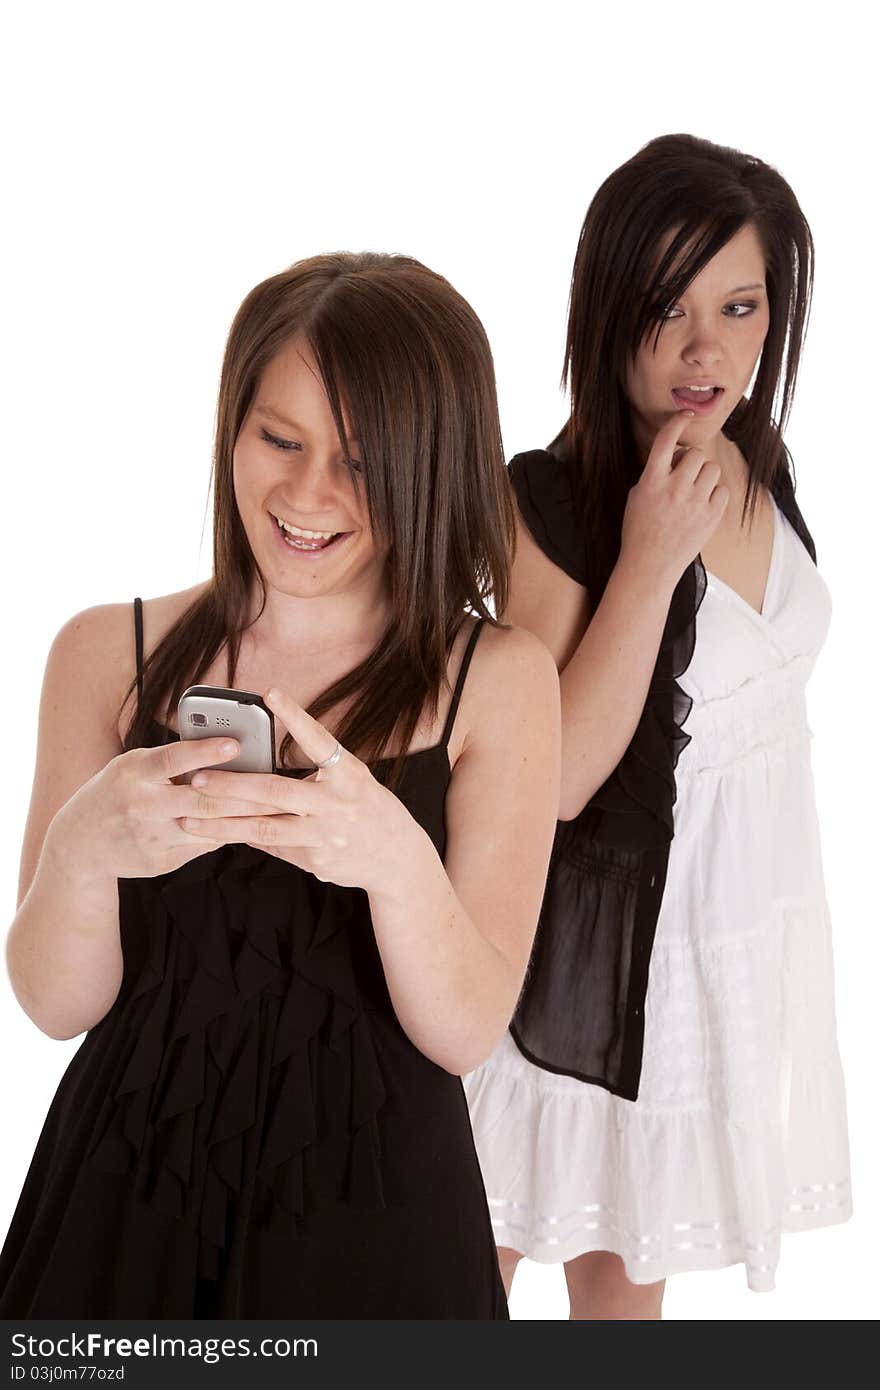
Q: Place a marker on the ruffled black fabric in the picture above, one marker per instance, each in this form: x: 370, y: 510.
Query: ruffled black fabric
x: 244, y: 1012
x: 581, y: 1010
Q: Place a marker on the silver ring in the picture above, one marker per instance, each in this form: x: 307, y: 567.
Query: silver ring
x: 334, y: 756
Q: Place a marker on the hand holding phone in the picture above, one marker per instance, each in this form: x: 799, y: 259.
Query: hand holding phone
x: 126, y: 821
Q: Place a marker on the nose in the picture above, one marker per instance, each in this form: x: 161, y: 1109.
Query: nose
x: 703, y: 347
x: 310, y: 489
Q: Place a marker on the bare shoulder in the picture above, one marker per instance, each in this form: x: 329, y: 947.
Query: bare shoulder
x: 512, y: 682
x: 506, y: 649
x: 92, y: 659
x: 93, y: 653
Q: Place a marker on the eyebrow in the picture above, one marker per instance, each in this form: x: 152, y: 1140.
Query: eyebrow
x: 740, y: 289
x: 271, y: 413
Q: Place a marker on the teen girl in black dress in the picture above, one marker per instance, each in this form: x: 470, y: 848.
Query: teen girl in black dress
x: 282, y: 977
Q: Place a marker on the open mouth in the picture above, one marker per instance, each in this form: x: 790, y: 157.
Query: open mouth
x: 693, y: 398
x: 310, y: 543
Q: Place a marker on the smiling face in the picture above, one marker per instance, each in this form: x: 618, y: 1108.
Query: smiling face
x: 712, y: 336
x: 289, y: 467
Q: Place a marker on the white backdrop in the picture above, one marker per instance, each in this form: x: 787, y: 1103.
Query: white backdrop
x: 161, y: 160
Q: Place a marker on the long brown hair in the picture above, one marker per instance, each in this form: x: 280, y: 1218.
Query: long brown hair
x: 703, y: 193
x: 409, y: 359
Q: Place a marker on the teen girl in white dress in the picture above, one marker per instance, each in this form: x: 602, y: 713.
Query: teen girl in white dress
x: 670, y: 1096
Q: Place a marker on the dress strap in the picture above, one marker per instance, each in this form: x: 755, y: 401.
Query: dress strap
x: 459, y: 684
x: 139, y: 647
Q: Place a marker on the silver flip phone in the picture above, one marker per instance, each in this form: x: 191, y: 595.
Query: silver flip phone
x: 206, y: 711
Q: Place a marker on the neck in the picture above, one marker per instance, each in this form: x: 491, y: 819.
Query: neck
x: 357, y: 617
x: 731, y: 461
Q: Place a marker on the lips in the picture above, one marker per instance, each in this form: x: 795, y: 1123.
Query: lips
x: 303, y: 546
x: 699, y: 401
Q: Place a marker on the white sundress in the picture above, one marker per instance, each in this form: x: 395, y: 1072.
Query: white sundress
x: 739, y: 1132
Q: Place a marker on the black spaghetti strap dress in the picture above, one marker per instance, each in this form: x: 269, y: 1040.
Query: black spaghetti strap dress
x: 248, y: 1132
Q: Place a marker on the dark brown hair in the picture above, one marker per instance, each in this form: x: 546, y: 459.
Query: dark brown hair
x: 408, y: 358
x: 703, y: 193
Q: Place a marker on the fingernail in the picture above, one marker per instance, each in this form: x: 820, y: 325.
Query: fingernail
x: 271, y: 695
x: 228, y: 748
x: 200, y: 780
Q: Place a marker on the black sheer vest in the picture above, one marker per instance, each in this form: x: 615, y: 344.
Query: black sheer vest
x: 581, y: 1010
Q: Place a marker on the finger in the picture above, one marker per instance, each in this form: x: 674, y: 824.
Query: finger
x: 707, y: 476
x: 316, y: 742
x: 205, y: 803
x: 172, y: 759
x: 274, y: 793
x: 659, y: 459
x: 719, y: 498
x: 691, y: 467
x: 295, y: 832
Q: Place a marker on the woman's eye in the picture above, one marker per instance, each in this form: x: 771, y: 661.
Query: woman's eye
x: 289, y: 445
x: 277, y: 443
x: 748, y: 305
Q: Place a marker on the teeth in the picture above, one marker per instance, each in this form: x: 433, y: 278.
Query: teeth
x: 307, y: 535
x: 695, y: 388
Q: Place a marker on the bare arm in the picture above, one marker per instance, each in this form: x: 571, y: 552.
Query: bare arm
x: 455, y: 938
x: 66, y: 928
x: 606, y: 662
